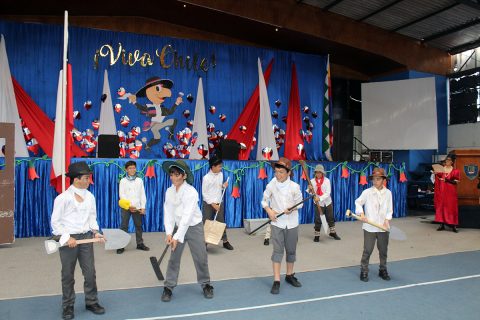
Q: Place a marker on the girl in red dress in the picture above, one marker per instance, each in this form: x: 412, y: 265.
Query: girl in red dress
x: 446, y: 201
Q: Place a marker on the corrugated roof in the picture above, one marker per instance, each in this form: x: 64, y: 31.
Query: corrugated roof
x: 450, y: 25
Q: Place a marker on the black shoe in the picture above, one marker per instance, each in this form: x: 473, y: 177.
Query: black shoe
x: 334, y: 236
x: 384, y: 275
x: 316, y: 239
x: 142, y: 247
x: 441, y: 228
x: 364, y: 276
x: 166, y: 295
x: 275, y: 287
x: 120, y: 251
x: 208, y: 291
x: 95, y: 308
x: 290, y: 278
x: 454, y: 229
x: 67, y: 313
x: 227, y: 245
x: 266, y: 242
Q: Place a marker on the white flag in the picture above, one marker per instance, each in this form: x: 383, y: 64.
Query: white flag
x: 199, y: 125
x: 266, y: 138
x: 58, y: 151
x: 8, y: 104
x: 107, y: 118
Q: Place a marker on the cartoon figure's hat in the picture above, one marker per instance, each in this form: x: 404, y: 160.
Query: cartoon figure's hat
x: 166, y: 83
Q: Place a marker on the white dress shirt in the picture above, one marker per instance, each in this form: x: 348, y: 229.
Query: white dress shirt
x: 181, y: 209
x: 134, y: 191
x: 280, y: 196
x: 325, y: 198
x: 378, y: 207
x: 71, y: 217
x: 212, y: 187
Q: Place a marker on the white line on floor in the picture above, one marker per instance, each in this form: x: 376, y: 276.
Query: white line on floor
x: 273, y: 305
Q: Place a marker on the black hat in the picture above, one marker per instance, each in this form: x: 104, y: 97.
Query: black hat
x: 166, y: 83
x: 78, y: 169
x: 214, y: 160
x: 180, y: 164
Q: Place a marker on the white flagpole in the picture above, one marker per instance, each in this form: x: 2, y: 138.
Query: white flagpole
x: 64, y: 100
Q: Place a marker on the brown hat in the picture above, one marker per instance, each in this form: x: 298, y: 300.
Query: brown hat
x: 283, y: 163
x: 378, y: 172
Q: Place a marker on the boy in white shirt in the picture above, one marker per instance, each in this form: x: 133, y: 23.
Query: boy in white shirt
x: 375, y: 204
x: 74, y: 217
x: 280, y: 194
x: 181, y: 212
x: 212, y: 189
x: 322, y: 188
x: 131, y: 188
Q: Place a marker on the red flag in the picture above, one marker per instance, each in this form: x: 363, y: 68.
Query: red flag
x: 293, y: 139
x: 249, y: 118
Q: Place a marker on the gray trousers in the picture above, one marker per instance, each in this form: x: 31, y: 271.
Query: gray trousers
x: 157, y: 126
x: 284, y: 240
x: 328, y: 212
x: 137, y: 221
x: 209, y: 213
x: 196, y: 242
x: 369, y: 239
x: 69, y: 256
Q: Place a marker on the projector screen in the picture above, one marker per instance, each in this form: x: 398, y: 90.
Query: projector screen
x: 399, y: 115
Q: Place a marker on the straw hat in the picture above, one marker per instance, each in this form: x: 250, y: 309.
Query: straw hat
x: 319, y: 168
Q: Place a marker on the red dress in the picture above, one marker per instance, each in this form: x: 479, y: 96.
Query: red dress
x: 446, y: 200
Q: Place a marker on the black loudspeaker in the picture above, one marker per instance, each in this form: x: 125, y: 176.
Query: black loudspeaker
x: 342, y: 140
x: 228, y: 149
x: 469, y: 217
x: 108, y: 146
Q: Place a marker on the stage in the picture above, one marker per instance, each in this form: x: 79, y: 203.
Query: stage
x: 27, y: 270
x: 34, y: 197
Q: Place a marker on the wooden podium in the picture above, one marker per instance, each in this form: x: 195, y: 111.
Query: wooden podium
x: 468, y: 163
x: 7, y: 185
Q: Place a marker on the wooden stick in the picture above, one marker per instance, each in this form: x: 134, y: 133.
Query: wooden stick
x: 350, y: 214
x: 281, y: 214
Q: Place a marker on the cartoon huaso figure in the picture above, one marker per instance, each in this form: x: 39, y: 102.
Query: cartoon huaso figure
x: 157, y: 90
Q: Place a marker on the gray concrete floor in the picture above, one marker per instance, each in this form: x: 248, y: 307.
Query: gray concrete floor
x: 26, y: 270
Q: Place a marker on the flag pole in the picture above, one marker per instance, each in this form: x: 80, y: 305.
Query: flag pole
x: 64, y: 100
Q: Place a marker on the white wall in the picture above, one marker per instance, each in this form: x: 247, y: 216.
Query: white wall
x: 464, y: 136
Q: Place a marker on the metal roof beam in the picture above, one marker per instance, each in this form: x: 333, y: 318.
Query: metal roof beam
x: 332, y: 4
x: 471, y: 3
x: 379, y: 10
x: 451, y: 30
x: 425, y: 17
x: 465, y: 46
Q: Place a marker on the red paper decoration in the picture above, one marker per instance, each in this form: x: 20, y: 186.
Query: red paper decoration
x: 262, y: 174
x: 236, y: 190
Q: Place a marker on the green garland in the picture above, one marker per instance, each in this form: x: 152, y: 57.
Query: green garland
x: 238, y: 173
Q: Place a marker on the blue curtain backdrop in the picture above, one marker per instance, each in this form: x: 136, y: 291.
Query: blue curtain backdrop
x: 34, y: 199
x: 35, y: 58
